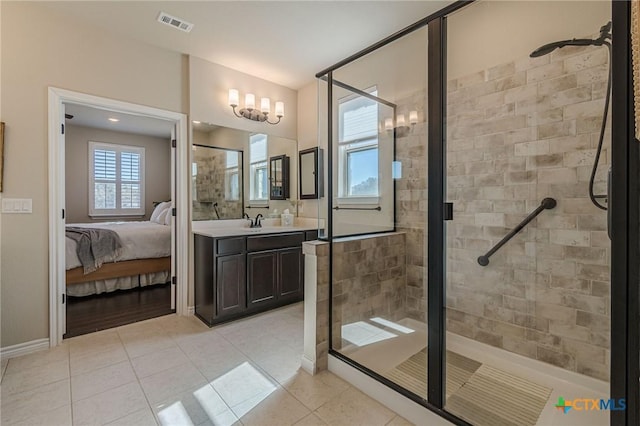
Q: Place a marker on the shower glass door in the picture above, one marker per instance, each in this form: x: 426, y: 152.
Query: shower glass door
x: 527, y: 252
x: 378, y: 212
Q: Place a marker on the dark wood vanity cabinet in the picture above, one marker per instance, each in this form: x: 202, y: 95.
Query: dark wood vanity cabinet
x: 238, y: 276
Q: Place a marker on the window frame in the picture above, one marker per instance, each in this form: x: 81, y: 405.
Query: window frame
x: 119, y: 211
x: 254, y: 168
x: 349, y: 146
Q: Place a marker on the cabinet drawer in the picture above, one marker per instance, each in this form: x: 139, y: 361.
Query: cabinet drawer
x: 311, y: 235
x: 269, y: 242
x: 230, y: 245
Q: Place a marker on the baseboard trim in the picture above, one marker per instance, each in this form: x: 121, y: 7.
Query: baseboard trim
x: 308, y: 365
x: 24, y: 348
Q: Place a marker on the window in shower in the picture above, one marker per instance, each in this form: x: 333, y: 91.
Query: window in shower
x: 358, y: 146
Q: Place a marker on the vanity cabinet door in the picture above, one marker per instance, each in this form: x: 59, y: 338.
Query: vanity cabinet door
x: 290, y: 274
x: 230, y: 285
x: 262, y: 278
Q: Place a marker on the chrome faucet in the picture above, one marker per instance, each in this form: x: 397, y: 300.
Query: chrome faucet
x: 257, y: 223
x: 251, y: 224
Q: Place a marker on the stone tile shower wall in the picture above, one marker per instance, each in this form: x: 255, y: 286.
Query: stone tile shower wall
x: 369, y: 280
x: 411, y: 203
x: 517, y: 133
x: 210, y: 188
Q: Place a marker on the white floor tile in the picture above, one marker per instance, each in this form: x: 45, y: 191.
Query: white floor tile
x: 315, y: 391
x: 354, y: 408
x: 30, y: 378
x: 95, y: 359
x: 155, y: 362
x: 196, y: 406
x: 58, y: 417
x: 33, y: 403
x: 142, y: 417
x: 277, y: 409
x: 38, y: 359
x: 110, y: 405
x: 175, y: 381
x: 311, y: 420
x: 101, y: 380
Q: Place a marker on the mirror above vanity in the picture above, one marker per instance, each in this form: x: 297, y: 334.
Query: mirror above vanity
x: 236, y: 172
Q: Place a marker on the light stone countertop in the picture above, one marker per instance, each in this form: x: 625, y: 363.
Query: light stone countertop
x: 231, y: 228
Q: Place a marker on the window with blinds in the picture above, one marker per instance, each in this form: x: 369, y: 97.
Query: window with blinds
x: 358, y: 146
x: 116, y: 180
x: 258, y: 178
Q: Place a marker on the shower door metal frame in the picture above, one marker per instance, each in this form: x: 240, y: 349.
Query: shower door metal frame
x: 625, y: 226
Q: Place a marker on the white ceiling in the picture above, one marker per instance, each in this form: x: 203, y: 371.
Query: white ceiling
x: 286, y: 42
x: 129, y: 123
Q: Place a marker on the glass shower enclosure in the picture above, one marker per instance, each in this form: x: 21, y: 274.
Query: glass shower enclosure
x: 467, y: 211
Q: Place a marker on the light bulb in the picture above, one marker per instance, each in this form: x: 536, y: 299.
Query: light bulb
x: 279, y: 109
x: 265, y: 105
x: 249, y: 101
x: 234, y: 97
x: 413, y: 117
x: 388, y: 123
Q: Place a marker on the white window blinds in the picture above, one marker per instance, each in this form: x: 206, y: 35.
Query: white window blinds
x: 116, y: 174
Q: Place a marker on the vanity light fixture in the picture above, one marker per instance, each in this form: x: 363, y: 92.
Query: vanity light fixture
x: 113, y: 120
x: 401, y: 125
x: 249, y: 111
x: 400, y: 129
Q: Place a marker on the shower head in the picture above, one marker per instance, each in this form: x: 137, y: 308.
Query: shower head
x: 548, y: 48
x: 605, y: 34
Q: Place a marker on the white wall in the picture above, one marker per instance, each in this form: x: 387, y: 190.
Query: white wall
x: 42, y: 48
x: 157, y: 169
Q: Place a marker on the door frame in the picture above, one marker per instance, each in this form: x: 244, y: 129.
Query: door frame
x: 56, y: 150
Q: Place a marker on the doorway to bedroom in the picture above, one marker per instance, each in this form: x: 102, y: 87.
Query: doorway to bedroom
x: 118, y: 218
x: 115, y: 246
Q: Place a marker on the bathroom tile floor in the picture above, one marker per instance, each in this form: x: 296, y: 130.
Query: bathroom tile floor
x: 176, y: 371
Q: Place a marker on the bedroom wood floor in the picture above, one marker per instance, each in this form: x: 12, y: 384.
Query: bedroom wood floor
x: 94, y: 313
x: 176, y: 371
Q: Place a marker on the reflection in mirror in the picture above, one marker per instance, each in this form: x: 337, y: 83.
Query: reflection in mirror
x: 254, y: 175
x: 279, y: 177
x: 216, y: 175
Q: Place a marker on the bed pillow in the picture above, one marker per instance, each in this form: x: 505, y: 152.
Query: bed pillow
x: 167, y: 218
x: 163, y: 216
x: 158, y: 211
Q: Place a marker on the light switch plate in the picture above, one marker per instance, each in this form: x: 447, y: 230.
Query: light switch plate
x: 17, y: 205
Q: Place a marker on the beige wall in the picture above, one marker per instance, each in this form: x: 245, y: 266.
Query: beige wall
x: 209, y: 95
x: 487, y: 33
x: 308, y: 136
x: 41, y: 48
x: 157, y: 169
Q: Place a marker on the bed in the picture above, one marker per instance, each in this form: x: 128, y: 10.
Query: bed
x: 145, y: 258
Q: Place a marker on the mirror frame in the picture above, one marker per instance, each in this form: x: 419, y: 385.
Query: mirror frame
x: 317, y: 173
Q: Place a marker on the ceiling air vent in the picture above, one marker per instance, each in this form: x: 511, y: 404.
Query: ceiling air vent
x: 172, y: 21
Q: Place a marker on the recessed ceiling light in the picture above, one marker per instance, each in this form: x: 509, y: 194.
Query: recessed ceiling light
x: 113, y: 120
x: 195, y: 122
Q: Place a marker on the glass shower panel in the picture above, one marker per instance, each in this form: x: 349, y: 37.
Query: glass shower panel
x: 379, y: 173
x: 527, y: 252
